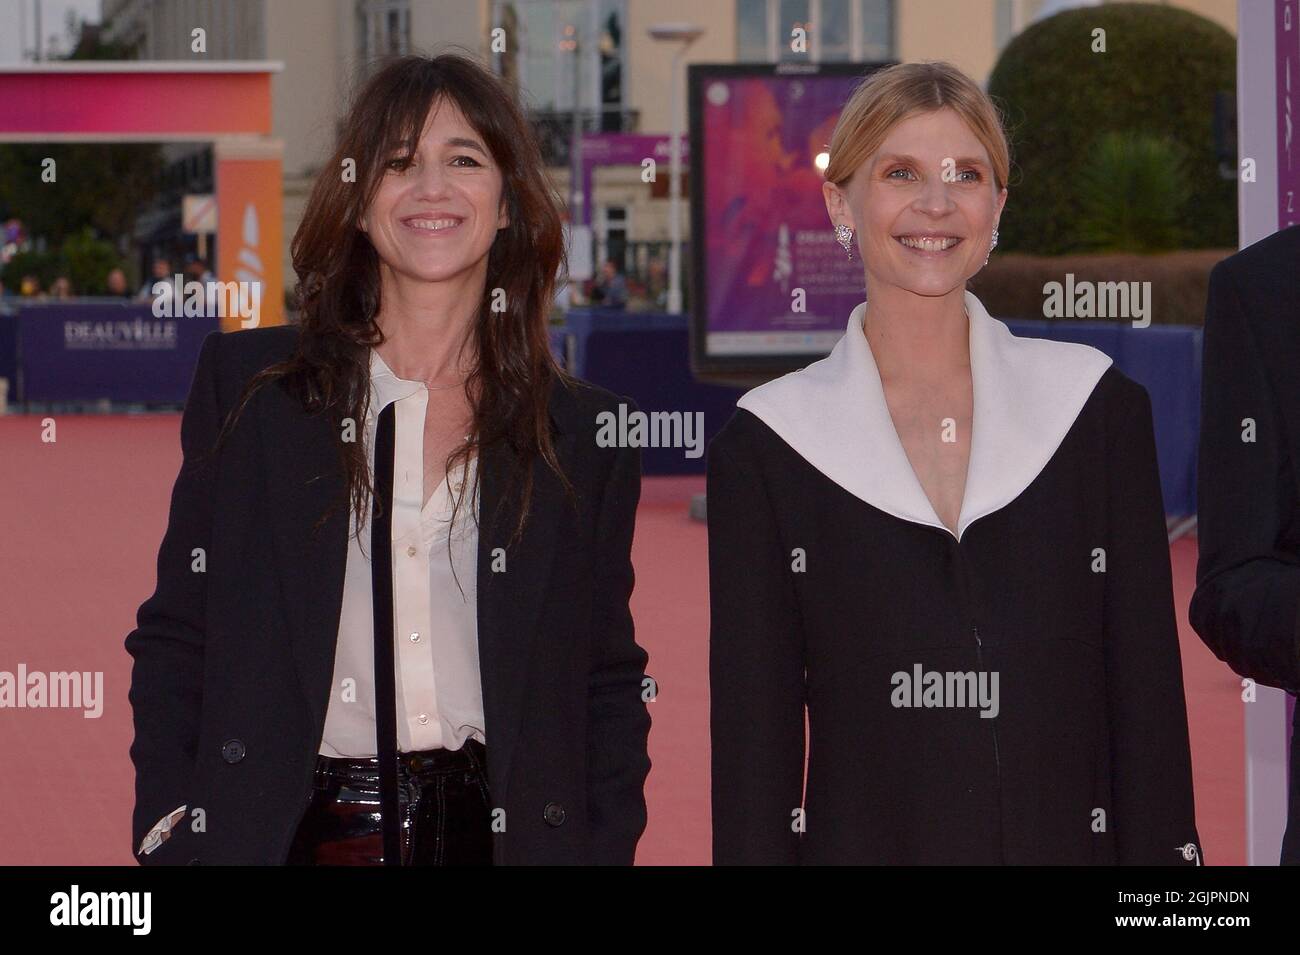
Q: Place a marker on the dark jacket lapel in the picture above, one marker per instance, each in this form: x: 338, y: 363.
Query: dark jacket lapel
x: 510, y: 600
x: 304, y: 478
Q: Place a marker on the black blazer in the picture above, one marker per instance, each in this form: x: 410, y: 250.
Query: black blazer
x: 1248, y: 576
x: 830, y: 576
x: 232, y: 666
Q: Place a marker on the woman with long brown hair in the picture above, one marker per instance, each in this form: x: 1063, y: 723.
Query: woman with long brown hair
x: 406, y: 461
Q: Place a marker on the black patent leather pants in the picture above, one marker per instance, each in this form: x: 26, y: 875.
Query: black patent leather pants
x: 446, y: 815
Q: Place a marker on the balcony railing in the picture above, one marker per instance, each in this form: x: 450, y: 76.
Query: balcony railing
x: 555, y: 128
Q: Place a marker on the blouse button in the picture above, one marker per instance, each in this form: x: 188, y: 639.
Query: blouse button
x: 410, y: 551
x: 415, y: 637
x: 423, y: 717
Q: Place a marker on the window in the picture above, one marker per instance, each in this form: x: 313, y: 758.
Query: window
x: 1012, y: 16
x: 792, y: 14
x: 837, y: 30
x: 751, y: 31
x: 836, y: 36
x: 383, y: 28
x: 540, y: 52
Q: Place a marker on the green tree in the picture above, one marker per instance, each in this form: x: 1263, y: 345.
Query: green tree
x: 1158, y: 76
x: 1133, y: 194
x: 44, y: 265
x: 87, y: 261
x: 101, y: 185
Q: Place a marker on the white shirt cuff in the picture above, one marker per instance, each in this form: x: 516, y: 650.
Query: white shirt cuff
x: 155, y: 836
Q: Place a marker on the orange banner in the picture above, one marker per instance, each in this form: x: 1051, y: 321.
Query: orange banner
x: 249, y: 226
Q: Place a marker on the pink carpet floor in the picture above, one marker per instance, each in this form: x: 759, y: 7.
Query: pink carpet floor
x: 81, y: 520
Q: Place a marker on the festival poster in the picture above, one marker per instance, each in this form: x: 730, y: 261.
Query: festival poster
x: 776, y: 281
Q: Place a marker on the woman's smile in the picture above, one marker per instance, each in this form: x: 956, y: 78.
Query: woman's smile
x: 431, y: 226
x: 929, y: 246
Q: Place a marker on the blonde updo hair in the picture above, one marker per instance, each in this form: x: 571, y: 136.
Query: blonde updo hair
x: 895, y: 93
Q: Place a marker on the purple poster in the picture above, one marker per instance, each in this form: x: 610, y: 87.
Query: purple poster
x: 1287, y: 33
x: 775, y: 281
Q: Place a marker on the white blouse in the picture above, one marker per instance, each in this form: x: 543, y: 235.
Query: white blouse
x: 439, y: 692
x: 435, y: 610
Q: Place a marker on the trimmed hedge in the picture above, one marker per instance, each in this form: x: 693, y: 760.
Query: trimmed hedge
x: 1011, y: 286
x: 1159, y: 77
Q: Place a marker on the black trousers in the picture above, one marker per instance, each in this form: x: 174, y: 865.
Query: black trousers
x: 446, y: 815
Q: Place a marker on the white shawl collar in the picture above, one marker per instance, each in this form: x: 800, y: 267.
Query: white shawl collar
x: 1027, y: 394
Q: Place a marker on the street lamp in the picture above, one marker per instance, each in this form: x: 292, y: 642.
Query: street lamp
x: 683, y: 34
x: 569, y: 44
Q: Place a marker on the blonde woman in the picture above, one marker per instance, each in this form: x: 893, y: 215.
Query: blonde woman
x: 944, y: 547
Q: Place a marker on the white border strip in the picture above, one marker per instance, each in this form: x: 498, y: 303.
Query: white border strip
x: 1266, y: 729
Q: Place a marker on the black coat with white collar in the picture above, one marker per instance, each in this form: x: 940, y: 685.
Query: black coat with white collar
x: 233, y: 666
x: 832, y: 581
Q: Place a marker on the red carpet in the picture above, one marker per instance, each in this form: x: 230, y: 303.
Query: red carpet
x: 82, y: 519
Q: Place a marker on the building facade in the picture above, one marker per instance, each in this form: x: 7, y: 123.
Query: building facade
x: 593, y: 57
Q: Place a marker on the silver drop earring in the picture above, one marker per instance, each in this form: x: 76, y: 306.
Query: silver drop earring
x: 993, y: 245
x: 844, y: 236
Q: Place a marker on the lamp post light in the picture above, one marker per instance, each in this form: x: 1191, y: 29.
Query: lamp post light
x: 683, y: 34
x: 569, y: 43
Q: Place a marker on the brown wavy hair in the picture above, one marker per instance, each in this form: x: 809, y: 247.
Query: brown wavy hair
x: 338, y: 290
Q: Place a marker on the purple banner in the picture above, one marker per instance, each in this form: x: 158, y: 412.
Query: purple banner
x: 119, y: 352
x: 1287, y: 38
x: 777, y: 281
x: 626, y: 149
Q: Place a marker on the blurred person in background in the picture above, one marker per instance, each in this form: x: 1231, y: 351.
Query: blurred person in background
x: 162, y: 272
x: 115, y: 282
x: 196, y: 270
x: 657, y: 284
x: 611, y: 289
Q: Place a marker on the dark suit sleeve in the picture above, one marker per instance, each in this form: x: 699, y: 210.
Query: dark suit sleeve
x: 1248, y: 586
x: 618, y: 724
x: 1153, y: 812
x: 756, y: 668
x: 167, y: 644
